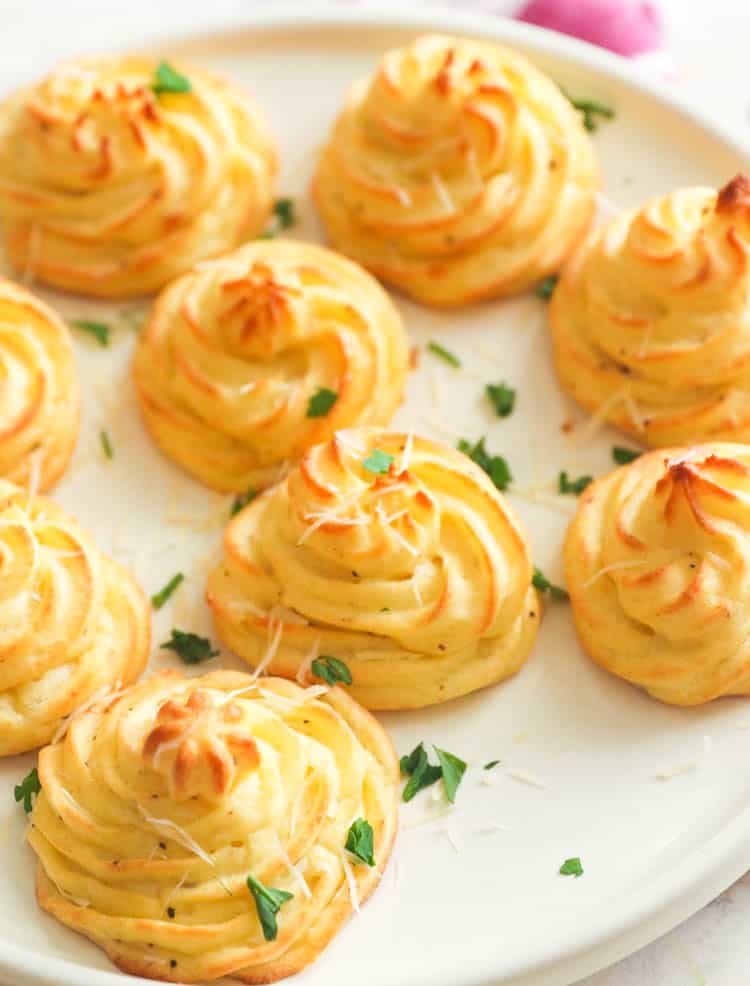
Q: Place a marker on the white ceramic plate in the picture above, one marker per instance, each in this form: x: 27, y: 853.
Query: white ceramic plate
x: 496, y: 911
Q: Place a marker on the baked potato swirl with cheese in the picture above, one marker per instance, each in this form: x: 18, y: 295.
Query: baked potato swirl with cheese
x: 39, y: 399
x: 156, y: 807
x: 457, y: 172
x: 657, y: 570
x: 416, y: 575
x: 651, y: 325
x: 73, y: 623
x: 112, y: 184
x: 236, y: 351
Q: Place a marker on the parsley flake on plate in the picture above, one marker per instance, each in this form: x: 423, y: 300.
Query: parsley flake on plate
x: 191, y: 648
x: 622, y: 456
x: 543, y: 584
x: 502, y: 397
x: 494, y: 465
x: 29, y: 787
x: 573, y: 486
x: 572, y: 867
x: 444, y: 354
x: 160, y: 597
x: 98, y: 330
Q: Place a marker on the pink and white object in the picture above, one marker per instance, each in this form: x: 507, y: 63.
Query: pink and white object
x: 627, y: 27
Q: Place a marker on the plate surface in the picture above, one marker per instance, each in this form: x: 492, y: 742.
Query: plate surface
x: 496, y: 911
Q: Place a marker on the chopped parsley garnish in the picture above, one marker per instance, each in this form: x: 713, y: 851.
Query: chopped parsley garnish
x: 622, y: 456
x: 359, y: 841
x: 572, y: 867
x: 421, y: 773
x: 283, y: 218
x: 331, y: 670
x: 321, y: 402
x: 490, y: 764
x: 160, y: 597
x: 242, y: 501
x: 378, y: 462
x: 106, y: 444
x: 543, y: 584
x: 573, y: 486
x: 444, y: 354
x: 268, y: 902
x: 190, y: 647
x: 545, y: 288
x: 494, y: 465
x: 283, y: 209
x: 98, y: 330
x: 453, y: 771
x: 502, y: 397
x: 590, y: 109
x: 27, y: 789
x: 170, y: 80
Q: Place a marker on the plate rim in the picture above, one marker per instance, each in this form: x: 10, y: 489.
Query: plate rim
x: 695, y: 880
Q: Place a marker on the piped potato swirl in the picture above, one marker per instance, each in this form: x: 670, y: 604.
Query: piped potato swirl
x: 457, y: 172
x: 39, y: 394
x: 658, y: 570
x: 109, y: 187
x: 651, y: 323
x: 157, y: 806
x: 72, y: 621
x: 236, y: 350
x: 417, y: 576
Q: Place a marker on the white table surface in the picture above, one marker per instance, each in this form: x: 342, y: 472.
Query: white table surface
x: 708, y: 44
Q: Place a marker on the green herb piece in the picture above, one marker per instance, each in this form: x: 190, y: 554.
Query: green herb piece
x: 98, y: 330
x: 622, y: 456
x: 421, y: 772
x: 444, y: 354
x: 331, y: 670
x: 494, y: 465
x: 160, y: 597
x: 545, y: 288
x: 572, y: 867
x: 453, y: 769
x: 543, y: 584
x: 190, y: 647
x: 378, y: 462
x: 283, y: 209
x: 503, y: 398
x: 590, y: 109
x: 359, y: 841
x: 283, y: 218
x: 573, y: 486
x: 268, y: 902
x: 242, y: 501
x: 490, y: 764
x: 106, y: 445
x: 321, y: 402
x: 27, y: 789
x: 170, y: 80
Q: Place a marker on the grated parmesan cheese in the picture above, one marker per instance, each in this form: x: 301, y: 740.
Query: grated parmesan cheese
x: 304, y: 669
x: 105, y: 693
x: 293, y: 869
x: 273, y: 646
x: 453, y: 836
x: 524, y: 777
x: 442, y: 192
x: 351, y: 880
x: 598, y: 419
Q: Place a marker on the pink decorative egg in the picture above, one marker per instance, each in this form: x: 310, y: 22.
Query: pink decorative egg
x: 627, y: 27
